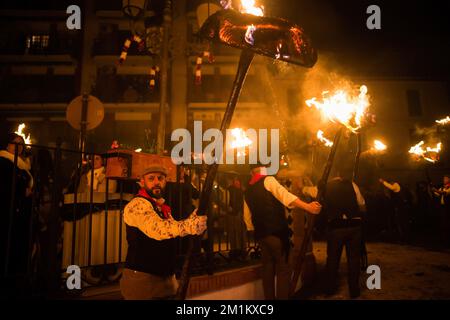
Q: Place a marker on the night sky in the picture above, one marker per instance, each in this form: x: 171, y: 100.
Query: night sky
x: 414, y: 39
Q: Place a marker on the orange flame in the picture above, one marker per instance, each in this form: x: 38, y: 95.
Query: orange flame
x: 379, y: 146
x: 429, y: 154
x: 343, y: 108
x: 19, y: 132
x: 248, y: 6
x: 443, y: 121
x: 327, y: 143
x: 240, y: 140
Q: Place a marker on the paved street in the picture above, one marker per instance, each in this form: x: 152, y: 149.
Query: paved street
x: 406, y: 273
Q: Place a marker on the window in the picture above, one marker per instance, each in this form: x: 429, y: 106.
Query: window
x: 37, y: 42
x: 414, y: 106
x: 44, y: 41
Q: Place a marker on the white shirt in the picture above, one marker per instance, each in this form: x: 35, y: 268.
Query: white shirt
x: 312, y: 192
x: 446, y: 192
x: 394, y: 187
x: 99, y: 176
x: 278, y: 191
x: 139, y: 213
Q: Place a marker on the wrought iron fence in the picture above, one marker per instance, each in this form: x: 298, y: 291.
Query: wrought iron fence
x: 68, y: 220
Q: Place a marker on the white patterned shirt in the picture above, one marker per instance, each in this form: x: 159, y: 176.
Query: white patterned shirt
x: 139, y: 213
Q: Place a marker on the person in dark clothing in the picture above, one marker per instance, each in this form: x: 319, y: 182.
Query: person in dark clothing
x: 15, y: 196
x: 343, y: 207
x: 443, y: 194
x: 235, y: 219
x: 399, y: 200
x: 151, y: 231
x: 264, y: 212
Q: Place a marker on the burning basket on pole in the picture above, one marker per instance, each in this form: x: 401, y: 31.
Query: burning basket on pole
x: 253, y: 34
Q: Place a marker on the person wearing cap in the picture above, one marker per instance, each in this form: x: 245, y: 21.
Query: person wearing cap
x: 264, y: 213
x: 151, y: 231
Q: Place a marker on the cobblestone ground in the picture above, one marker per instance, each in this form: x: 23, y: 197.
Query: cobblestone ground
x: 407, y: 272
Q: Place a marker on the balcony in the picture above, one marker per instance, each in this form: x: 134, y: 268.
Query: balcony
x: 37, y: 88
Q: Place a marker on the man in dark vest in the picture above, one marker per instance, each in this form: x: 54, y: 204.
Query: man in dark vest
x: 343, y: 207
x: 264, y: 212
x: 151, y: 231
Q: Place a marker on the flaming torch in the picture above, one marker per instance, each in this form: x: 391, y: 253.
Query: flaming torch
x: 19, y: 132
x: 326, y: 142
x: 240, y: 140
x: 350, y: 111
x: 343, y: 108
x: 429, y: 154
x: 443, y: 121
x: 248, y: 6
x: 379, y: 146
x: 272, y: 37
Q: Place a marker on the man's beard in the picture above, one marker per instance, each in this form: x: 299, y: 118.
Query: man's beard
x: 152, y: 194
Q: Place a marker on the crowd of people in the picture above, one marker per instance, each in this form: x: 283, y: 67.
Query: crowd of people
x: 269, y: 210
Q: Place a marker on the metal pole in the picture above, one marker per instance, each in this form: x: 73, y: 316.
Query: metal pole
x: 357, y: 156
x: 164, y: 76
x: 54, y: 272
x: 11, y: 210
x: 83, y: 123
x: 244, y: 64
x: 91, y: 200
x: 309, y: 229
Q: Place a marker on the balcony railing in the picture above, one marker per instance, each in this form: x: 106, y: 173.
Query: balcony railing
x: 37, y: 88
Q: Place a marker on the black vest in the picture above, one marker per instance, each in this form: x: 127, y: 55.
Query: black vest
x: 157, y: 257
x: 268, y: 215
x: 340, y: 199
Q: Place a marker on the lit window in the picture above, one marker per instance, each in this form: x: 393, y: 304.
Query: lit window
x: 35, y: 40
x: 38, y: 41
x: 28, y: 43
x: 44, y: 41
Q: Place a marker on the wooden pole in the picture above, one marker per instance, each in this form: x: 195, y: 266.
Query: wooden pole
x: 244, y: 64
x: 320, y: 195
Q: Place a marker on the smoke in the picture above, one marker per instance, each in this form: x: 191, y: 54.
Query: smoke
x: 428, y: 134
x: 298, y: 124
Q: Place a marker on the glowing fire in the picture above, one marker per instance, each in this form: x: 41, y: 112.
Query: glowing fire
x: 249, y: 35
x: 240, y: 140
x: 138, y: 150
x: 343, y: 108
x: 429, y: 154
x: 444, y: 121
x: 327, y: 142
x: 19, y: 132
x: 379, y: 146
x: 248, y: 6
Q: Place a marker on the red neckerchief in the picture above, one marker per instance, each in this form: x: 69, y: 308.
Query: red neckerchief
x: 164, y: 208
x: 447, y: 185
x: 255, y: 178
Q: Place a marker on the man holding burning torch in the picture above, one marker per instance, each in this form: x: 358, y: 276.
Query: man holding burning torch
x: 264, y: 212
x: 151, y: 231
